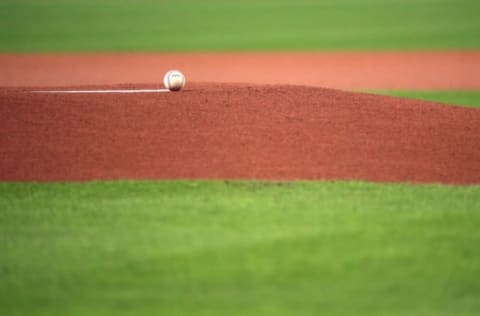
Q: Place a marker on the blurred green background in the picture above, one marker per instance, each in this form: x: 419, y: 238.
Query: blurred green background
x: 219, y: 25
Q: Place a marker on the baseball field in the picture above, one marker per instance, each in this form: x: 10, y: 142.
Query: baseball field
x: 323, y: 158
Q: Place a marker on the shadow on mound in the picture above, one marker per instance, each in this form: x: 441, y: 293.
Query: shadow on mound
x: 226, y: 131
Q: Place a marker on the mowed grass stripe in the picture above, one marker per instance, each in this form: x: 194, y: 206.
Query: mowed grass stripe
x: 464, y: 98
x: 191, y: 25
x: 239, y: 248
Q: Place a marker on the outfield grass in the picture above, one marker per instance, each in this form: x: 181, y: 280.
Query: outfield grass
x: 239, y: 248
x: 464, y: 98
x: 192, y: 25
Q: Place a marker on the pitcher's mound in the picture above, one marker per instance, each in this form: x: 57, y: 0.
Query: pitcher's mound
x: 227, y: 131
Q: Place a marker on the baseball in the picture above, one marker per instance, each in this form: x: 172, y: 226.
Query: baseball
x: 174, y: 80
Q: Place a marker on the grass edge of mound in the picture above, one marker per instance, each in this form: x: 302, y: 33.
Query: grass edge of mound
x: 467, y: 98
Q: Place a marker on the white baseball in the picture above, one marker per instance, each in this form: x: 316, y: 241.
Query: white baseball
x: 174, y: 80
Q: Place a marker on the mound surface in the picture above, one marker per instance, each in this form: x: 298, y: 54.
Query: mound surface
x: 230, y: 131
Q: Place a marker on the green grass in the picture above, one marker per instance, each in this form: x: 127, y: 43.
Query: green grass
x: 219, y: 25
x: 465, y: 98
x: 239, y: 248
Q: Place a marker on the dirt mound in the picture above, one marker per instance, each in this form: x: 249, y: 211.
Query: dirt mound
x: 236, y: 131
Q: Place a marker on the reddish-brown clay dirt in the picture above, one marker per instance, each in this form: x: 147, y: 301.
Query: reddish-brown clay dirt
x: 351, y: 71
x: 225, y: 131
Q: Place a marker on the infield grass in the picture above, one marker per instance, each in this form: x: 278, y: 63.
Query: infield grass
x: 218, y: 25
x: 464, y: 98
x: 239, y: 248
